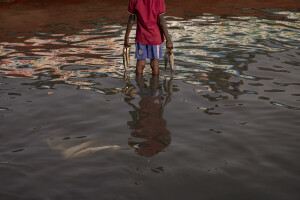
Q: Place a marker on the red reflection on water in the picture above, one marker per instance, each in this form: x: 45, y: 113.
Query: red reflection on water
x: 23, y: 16
x: 148, y: 122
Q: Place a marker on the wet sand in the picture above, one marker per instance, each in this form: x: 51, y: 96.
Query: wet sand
x: 15, y: 16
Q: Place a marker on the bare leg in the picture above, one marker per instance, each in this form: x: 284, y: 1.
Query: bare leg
x: 155, y: 66
x: 140, y: 65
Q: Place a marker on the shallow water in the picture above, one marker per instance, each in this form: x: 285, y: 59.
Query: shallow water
x: 223, y: 125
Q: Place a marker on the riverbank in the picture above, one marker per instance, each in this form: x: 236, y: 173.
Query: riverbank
x: 30, y: 15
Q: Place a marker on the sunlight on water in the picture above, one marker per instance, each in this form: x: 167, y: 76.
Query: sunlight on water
x: 76, y: 125
x: 204, y: 44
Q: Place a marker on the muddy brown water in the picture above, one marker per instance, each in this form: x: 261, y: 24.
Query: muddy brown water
x: 223, y: 125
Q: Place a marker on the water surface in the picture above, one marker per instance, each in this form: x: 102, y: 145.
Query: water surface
x: 223, y: 125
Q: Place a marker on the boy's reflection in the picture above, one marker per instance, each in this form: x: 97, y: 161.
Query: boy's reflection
x: 148, y: 122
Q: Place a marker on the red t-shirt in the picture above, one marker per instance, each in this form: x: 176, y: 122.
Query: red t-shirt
x: 147, y: 12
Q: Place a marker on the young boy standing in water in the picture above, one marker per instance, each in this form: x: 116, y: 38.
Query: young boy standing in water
x: 150, y: 32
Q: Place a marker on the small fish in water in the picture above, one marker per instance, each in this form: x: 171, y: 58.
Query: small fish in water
x: 126, y: 57
x: 169, y: 58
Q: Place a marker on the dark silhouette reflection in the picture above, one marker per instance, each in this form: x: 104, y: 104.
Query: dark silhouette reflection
x: 147, y: 122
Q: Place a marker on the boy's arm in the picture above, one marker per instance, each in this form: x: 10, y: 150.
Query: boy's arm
x: 163, y: 27
x: 131, y: 21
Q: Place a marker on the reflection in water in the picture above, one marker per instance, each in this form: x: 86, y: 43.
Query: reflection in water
x: 209, y: 50
x: 147, y: 122
x: 238, y: 105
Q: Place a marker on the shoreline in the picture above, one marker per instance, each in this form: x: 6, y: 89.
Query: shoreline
x: 24, y: 16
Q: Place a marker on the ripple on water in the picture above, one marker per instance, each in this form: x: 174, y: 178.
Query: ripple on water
x: 225, y: 120
x: 208, y: 44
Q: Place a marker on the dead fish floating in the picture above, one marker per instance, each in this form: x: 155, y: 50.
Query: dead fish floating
x: 126, y: 57
x: 71, y: 149
x: 169, y: 58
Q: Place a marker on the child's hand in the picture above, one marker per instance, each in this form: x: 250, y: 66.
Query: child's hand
x: 169, y: 44
x: 126, y: 43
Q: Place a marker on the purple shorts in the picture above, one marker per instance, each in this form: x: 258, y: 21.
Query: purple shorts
x: 148, y: 51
